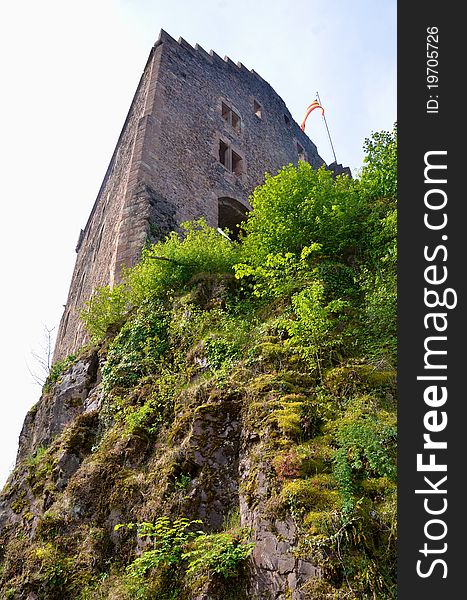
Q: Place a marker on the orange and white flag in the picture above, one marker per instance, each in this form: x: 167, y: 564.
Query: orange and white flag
x: 311, y: 108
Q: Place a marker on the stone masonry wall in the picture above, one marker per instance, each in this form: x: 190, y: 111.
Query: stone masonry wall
x: 96, y: 249
x: 166, y: 167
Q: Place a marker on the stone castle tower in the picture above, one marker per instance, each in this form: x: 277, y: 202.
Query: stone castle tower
x: 199, y: 136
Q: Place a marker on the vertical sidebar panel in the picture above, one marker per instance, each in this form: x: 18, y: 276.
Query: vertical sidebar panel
x: 432, y: 308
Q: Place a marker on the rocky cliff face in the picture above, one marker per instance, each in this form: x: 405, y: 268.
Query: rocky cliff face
x: 70, y: 397
x: 226, y: 450
x: 78, y: 475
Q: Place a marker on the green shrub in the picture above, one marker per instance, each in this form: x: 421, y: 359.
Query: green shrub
x: 177, y: 544
x: 220, y: 553
x: 36, y: 457
x: 299, y: 207
x: 165, y: 267
x: 317, y: 329
x: 137, y: 349
x: 379, y: 174
x: 221, y: 352
x: 362, y: 453
x: 106, y: 309
x: 54, y: 572
x: 170, y: 539
x: 146, y: 418
x: 280, y: 274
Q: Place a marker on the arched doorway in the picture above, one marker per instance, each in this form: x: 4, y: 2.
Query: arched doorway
x: 231, y: 214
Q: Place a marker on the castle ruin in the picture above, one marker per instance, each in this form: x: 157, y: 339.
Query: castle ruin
x: 199, y: 136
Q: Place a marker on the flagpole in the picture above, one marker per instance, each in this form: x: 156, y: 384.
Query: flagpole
x: 327, y: 129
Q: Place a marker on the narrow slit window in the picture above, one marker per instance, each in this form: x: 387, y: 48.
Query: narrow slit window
x: 257, y: 109
x: 65, y: 324
x: 287, y: 121
x: 301, y: 152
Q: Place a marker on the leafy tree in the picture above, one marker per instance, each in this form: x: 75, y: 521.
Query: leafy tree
x: 379, y: 174
x: 299, y: 207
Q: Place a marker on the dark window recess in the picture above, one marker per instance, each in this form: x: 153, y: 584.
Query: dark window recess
x: 99, y: 240
x: 65, y: 323
x: 231, y: 160
x: 257, y: 109
x: 287, y: 121
x: 301, y: 152
x: 231, y: 117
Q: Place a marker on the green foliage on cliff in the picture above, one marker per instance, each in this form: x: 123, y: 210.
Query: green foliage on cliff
x: 138, y: 347
x: 176, y: 543
x: 326, y: 245
x: 165, y: 268
x: 276, y: 352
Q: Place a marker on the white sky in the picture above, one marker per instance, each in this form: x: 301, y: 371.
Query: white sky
x: 68, y: 73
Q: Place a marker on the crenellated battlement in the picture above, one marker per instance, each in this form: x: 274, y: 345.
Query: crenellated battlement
x: 210, y: 56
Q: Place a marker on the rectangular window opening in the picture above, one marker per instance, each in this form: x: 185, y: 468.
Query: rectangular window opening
x: 257, y: 109
x: 232, y: 161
